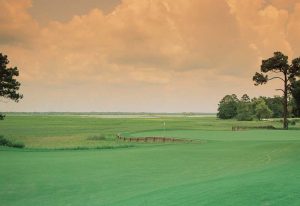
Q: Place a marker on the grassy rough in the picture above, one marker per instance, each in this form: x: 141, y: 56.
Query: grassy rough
x: 54, y: 131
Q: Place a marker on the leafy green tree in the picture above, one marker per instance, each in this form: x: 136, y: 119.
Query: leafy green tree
x: 262, y: 111
x: 275, y: 104
x: 295, y: 91
x: 278, y: 64
x: 9, y: 86
x: 245, y: 98
x: 244, y: 112
x: 244, y: 109
x: 228, y: 107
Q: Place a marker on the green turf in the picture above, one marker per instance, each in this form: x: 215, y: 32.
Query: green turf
x: 255, y: 167
x: 63, y: 131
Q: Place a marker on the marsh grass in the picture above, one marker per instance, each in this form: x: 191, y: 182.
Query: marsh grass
x: 63, y: 131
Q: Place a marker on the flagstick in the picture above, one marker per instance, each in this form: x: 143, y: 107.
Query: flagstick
x: 164, y: 129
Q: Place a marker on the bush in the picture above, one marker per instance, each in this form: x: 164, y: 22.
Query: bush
x: 18, y: 145
x: 244, y: 117
x: 4, y: 142
x: 292, y: 122
x: 8, y: 143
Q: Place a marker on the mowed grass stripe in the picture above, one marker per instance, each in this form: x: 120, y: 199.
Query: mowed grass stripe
x: 173, y: 175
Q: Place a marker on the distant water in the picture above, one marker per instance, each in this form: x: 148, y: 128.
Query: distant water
x: 112, y: 115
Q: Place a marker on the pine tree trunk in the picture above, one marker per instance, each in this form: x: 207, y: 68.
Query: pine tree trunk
x: 285, y: 103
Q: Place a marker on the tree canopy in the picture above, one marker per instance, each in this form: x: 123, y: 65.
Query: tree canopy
x: 228, y: 107
x: 247, y: 109
x: 287, y: 73
x: 244, y: 109
x: 262, y: 111
x: 9, y: 85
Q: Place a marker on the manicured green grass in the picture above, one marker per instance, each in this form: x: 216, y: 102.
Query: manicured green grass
x: 254, y: 167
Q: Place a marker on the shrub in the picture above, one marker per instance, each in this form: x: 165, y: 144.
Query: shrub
x: 18, y: 145
x: 292, y: 122
x: 8, y: 143
x: 4, y: 142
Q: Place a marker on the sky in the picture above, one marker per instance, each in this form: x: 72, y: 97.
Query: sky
x: 142, y: 55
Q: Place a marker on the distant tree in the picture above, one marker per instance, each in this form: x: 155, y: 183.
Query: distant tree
x: 262, y: 111
x: 244, y: 112
x: 295, y: 91
x: 244, y: 109
x: 9, y: 86
x: 279, y: 64
x: 228, y: 107
x: 275, y: 104
x: 292, y: 110
x: 245, y: 98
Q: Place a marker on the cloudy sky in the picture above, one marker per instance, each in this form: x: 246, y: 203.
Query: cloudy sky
x: 142, y: 55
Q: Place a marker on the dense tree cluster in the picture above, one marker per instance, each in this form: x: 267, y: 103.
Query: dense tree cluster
x: 247, y: 109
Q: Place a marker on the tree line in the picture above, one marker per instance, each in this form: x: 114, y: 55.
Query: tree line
x: 247, y: 109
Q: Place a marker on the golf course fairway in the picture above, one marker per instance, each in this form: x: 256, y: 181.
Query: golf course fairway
x: 255, y: 167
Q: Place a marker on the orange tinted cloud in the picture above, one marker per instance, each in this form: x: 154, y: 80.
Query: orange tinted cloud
x: 16, y: 24
x: 181, y: 53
